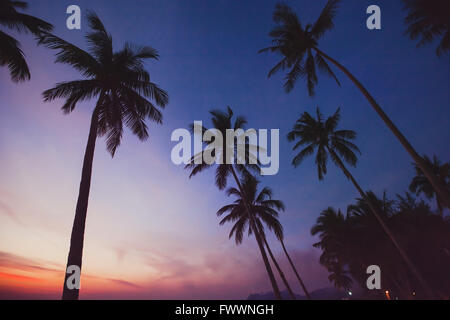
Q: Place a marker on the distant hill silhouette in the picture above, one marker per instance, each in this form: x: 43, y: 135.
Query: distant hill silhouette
x: 320, y: 294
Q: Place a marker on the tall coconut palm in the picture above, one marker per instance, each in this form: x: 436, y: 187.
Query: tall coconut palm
x: 321, y: 136
x: 302, y: 284
x: 121, y: 86
x: 428, y: 20
x: 223, y: 121
x: 265, y: 210
x: 299, y: 47
x: 10, y: 52
x: 264, y: 202
x: 421, y: 185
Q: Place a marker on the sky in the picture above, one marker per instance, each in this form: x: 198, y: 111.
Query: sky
x: 152, y: 232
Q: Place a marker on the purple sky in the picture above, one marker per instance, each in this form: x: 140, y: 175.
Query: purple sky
x: 152, y: 232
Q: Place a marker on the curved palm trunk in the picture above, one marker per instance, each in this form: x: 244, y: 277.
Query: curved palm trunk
x: 403, y: 254
x: 77, y: 237
x: 283, y: 278
x: 295, y: 271
x: 276, y: 291
x: 438, y: 187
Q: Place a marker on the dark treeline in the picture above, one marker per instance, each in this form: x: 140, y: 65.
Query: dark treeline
x: 352, y: 241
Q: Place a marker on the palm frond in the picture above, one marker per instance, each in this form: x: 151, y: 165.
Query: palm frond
x: 296, y: 72
x: 100, y: 41
x: 325, y: 68
x: 73, y: 91
x: 70, y: 54
x: 298, y: 159
x: 428, y: 20
x: 325, y: 20
x: 12, y: 56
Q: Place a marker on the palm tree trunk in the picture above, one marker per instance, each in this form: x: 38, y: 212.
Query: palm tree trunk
x: 438, y: 187
x: 283, y: 278
x: 402, y: 293
x: 439, y: 205
x: 403, y: 254
x: 295, y: 271
x: 77, y: 237
x: 275, y: 288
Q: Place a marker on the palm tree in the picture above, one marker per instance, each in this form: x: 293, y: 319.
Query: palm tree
x: 428, y: 20
x: 332, y: 227
x: 344, y: 240
x: 266, y: 211
x: 121, y: 86
x: 223, y: 121
x: 298, y: 46
x: 322, y: 136
x: 10, y: 52
x: 237, y: 214
x: 340, y: 276
x: 420, y: 184
x: 302, y: 284
x: 265, y: 202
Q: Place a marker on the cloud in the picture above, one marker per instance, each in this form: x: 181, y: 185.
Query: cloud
x: 125, y: 283
x: 120, y: 253
x: 307, y: 263
x: 7, y: 210
x: 25, y: 278
x: 12, y: 261
x: 228, y: 272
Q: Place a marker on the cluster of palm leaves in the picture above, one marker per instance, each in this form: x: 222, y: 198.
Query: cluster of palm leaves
x: 353, y: 241
x: 123, y: 88
x: 11, y: 54
x: 428, y: 20
x: 298, y: 46
x: 250, y: 211
x: 420, y: 185
x: 125, y: 96
x: 117, y: 79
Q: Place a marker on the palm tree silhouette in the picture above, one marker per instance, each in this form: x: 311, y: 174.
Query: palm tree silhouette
x: 331, y: 226
x: 222, y: 121
x: 10, y: 52
x: 302, y: 284
x: 122, y: 86
x: 428, y: 20
x: 340, y: 276
x: 321, y: 136
x: 298, y: 46
x: 344, y: 240
x: 265, y: 209
x: 420, y: 184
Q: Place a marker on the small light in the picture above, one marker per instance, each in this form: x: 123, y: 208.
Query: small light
x: 387, y: 295
x: 350, y: 293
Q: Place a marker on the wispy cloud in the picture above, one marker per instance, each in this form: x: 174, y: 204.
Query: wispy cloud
x: 6, y: 209
x: 15, y: 262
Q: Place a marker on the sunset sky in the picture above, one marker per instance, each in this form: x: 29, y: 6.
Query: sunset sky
x: 152, y: 232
